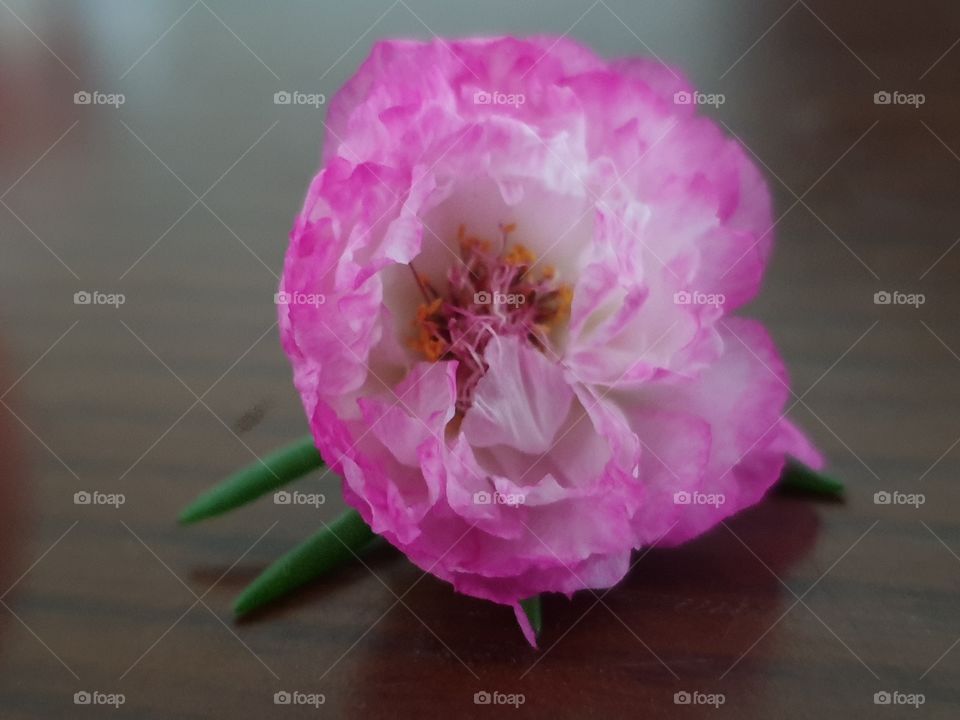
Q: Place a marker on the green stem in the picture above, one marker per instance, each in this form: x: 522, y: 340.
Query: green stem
x: 335, y: 545
x: 259, y: 478
x: 799, y: 478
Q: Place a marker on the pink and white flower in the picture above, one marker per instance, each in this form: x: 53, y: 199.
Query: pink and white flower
x: 526, y: 364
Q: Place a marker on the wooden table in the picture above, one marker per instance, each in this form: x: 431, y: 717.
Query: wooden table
x: 181, y: 198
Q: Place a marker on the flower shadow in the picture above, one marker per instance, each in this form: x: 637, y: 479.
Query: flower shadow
x: 682, y: 618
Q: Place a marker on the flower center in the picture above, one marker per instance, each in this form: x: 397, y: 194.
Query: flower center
x: 490, y: 292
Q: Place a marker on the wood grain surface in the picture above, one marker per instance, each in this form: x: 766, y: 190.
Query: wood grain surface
x: 181, y: 199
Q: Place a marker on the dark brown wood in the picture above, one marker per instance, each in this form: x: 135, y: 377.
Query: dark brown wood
x: 112, y: 406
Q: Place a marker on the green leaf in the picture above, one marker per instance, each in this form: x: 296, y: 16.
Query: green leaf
x: 799, y: 478
x: 276, y: 469
x: 335, y: 545
x: 531, y: 606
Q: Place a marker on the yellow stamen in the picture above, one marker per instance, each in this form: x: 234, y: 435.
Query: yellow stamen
x: 432, y: 321
x: 566, y: 301
x: 562, y: 304
x: 472, y: 242
x: 519, y: 255
x: 426, y: 343
x: 427, y: 309
x: 433, y: 349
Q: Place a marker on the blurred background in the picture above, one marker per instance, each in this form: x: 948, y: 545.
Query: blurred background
x: 145, y: 168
